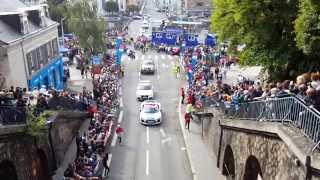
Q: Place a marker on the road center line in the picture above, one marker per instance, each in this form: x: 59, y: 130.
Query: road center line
x: 163, y: 134
x: 148, y: 137
x: 121, y: 102
x: 120, y: 117
x: 114, y: 140
x: 147, y: 162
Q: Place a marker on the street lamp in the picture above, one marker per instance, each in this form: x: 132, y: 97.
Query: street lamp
x: 62, y: 31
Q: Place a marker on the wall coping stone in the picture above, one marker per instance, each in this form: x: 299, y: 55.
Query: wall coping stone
x: 12, y: 129
x: 293, y: 137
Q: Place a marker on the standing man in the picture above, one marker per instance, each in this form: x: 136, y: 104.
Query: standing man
x: 182, y: 95
x: 187, y: 118
x: 105, y: 163
x: 119, y: 132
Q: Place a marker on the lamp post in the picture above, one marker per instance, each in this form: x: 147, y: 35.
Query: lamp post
x: 62, y: 31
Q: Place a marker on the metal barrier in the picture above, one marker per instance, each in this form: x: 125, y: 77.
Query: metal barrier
x: 285, y: 109
x: 12, y: 115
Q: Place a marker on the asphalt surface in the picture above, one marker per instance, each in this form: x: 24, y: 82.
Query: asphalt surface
x: 155, y: 152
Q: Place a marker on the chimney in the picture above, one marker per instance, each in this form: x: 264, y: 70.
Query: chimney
x: 24, y: 23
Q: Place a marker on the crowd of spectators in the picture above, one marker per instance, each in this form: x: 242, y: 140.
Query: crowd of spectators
x: 208, y: 85
x: 91, y: 156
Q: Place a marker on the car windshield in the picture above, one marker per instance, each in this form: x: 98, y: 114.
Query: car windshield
x: 144, y: 87
x: 150, y: 109
x: 148, y: 63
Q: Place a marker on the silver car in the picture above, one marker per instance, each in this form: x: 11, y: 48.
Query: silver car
x: 147, y: 66
x: 144, y: 91
x: 150, y: 113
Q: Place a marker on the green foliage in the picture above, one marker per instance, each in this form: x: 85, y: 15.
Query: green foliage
x: 37, y: 125
x: 267, y: 29
x: 111, y: 6
x: 57, y: 11
x: 82, y: 19
x: 307, y: 27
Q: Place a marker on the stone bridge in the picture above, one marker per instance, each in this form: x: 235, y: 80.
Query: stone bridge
x: 254, y: 150
x: 23, y: 157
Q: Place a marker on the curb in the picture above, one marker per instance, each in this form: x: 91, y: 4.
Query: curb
x: 193, y: 171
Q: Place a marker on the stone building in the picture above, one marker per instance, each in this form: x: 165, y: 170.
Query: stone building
x: 197, y: 7
x: 29, y: 52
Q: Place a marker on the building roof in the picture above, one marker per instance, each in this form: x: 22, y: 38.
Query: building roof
x: 11, y: 6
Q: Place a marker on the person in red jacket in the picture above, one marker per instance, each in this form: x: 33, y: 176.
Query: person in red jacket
x: 119, y: 132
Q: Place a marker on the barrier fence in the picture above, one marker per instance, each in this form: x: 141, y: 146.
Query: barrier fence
x: 285, y: 109
x: 12, y: 115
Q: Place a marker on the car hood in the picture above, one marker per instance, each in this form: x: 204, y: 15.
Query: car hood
x: 150, y: 116
x: 147, y: 66
x: 144, y: 92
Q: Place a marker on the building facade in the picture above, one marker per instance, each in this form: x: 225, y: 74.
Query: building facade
x: 29, y: 52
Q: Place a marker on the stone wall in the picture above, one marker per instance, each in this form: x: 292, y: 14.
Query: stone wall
x: 276, y: 160
x: 63, y: 130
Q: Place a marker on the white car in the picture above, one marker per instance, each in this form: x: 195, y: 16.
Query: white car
x: 150, y: 113
x: 144, y: 91
x: 147, y: 66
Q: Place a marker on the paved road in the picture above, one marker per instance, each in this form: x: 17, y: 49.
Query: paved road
x: 156, y: 152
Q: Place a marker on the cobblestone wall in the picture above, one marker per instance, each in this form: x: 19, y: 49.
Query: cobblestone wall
x: 276, y: 160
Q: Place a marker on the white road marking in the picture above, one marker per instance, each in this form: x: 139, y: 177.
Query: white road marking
x: 172, y: 63
x: 158, y: 77
x: 121, y: 102
x: 109, y: 160
x: 183, y: 148
x: 149, y: 56
x: 114, y: 140
x: 148, y: 137
x: 142, y: 57
x: 156, y: 57
x: 163, y: 57
x: 170, y: 57
x: 139, y: 75
x: 120, y: 117
x: 163, y: 134
x: 166, y: 140
x: 147, y: 162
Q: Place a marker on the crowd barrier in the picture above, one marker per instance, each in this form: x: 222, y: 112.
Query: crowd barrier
x: 12, y: 115
x: 278, y: 109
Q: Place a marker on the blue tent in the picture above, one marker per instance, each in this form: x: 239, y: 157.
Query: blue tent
x: 210, y: 40
x: 191, y: 40
x: 157, y: 37
x: 63, y: 50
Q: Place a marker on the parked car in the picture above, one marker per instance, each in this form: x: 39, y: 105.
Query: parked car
x: 150, y: 113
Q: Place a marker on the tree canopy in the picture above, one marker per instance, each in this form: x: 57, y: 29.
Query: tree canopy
x: 268, y: 30
x: 81, y: 19
x: 111, y: 6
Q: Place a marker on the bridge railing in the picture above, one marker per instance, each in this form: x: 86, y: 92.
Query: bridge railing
x: 12, y: 115
x: 284, y: 110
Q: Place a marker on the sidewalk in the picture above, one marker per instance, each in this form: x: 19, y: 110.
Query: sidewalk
x: 76, y: 83
x: 201, y: 158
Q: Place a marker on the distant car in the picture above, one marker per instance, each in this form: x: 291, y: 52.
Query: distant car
x: 148, y: 67
x: 144, y: 91
x: 150, y: 113
x: 137, y: 17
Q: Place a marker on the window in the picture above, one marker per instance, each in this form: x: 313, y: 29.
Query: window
x: 44, y: 54
x: 169, y: 36
x: 55, y: 48
x: 30, y: 63
x: 159, y: 35
x: 49, y: 50
x: 39, y: 59
x: 191, y: 38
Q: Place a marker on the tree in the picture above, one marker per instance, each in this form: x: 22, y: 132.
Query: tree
x: 111, y: 6
x: 307, y: 27
x: 267, y: 30
x: 82, y: 19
